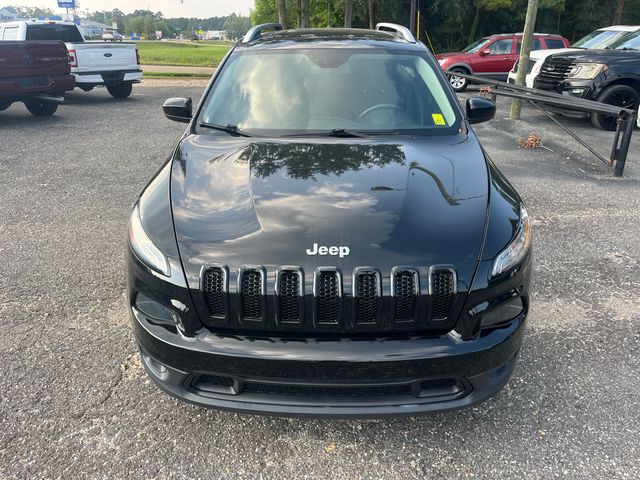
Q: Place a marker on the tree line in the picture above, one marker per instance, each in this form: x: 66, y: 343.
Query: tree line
x: 450, y: 25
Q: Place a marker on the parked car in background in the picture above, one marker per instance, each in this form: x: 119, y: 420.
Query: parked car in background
x: 112, y: 37
x: 115, y: 66
x: 609, y: 75
x: 493, y: 56
x: 600, y: 38
x: 35, y: 73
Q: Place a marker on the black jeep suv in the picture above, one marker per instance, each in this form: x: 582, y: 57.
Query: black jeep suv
x: 328, y: 236
x: 610, y: 75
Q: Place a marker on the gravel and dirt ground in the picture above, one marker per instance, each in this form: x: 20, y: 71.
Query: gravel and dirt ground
x: 75, y: 403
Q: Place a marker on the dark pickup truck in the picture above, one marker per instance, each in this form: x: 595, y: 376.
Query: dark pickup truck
x: 36, y: 73
x: 609, y: 75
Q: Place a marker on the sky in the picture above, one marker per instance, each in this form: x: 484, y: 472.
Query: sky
x: 170, y: 8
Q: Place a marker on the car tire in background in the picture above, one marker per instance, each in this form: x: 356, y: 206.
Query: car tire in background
x: 620, y: 96
x: 85, y: 88
x: 40, y: 108
x: 120, y: 90
x: 4, y: 105
x: 458, y: 84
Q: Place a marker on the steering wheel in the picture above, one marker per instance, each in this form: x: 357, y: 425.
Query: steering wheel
x: 381, y: 106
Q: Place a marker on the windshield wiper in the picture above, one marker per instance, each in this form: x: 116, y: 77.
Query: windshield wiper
x: 343, y: 133
x: 230, y: 129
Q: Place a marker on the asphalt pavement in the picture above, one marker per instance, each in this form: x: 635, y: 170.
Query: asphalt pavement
x: 75, y: 403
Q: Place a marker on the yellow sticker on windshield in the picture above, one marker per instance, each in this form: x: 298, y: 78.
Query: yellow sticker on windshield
x: 438, y: 119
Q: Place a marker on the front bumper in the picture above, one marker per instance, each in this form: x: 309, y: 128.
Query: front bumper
x: 334, y: 378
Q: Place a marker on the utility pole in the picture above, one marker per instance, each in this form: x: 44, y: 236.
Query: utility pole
x: 525, y: 50
x: 412, y: 19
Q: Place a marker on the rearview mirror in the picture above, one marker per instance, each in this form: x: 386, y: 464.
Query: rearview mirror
x: 484, y: 52
x: 480, y: 110
x: 178, y: 109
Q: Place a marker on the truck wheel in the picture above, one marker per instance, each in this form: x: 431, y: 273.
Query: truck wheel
x: 620, y: 96
x: 40, y: 108
x: 459, y: 84
x: 85, y: 87
x: 4, y: 105
x: 120, y: 90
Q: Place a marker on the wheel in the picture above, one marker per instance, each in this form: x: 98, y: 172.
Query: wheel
x: 459, y: 84
x: 620, y: 96
x: 120, y: 90
x: 40, y: 108
x: 4, y: 105
x: 85, y: 87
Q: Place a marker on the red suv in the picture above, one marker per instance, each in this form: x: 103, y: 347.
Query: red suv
x: 493, y: 56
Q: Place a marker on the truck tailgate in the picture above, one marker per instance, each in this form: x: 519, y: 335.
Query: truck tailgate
x: 104, y: 57
x: 33, y: 58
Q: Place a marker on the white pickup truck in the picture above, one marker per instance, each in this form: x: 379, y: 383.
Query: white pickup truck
x: 114, y: 65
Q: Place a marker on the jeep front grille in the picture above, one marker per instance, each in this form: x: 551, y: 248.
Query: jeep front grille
x: 258, y: 298
x: 214, y: 289
x: 367, y: 293
x: 252, y: 283
x: 327, y: 291
x: 442, y: 290
x: 405, y: 288
x: 290, y: 295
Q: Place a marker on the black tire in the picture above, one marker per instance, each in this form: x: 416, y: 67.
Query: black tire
x: 4, y: 105
x: 85, y: 87
x: 620, y: 96
x: 40, y: 108
x: 458, y: 84
x: 120, y: 90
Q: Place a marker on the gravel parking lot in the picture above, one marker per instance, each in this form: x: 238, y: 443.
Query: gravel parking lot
x: 75, y: 403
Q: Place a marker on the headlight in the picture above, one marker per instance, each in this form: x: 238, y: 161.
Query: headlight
x: 587, y: 70
x: 442, y: 61
x: 517, y: 249
x: 144, y: 248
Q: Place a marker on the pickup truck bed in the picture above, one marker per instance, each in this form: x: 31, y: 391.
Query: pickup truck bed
x: 36, y: 73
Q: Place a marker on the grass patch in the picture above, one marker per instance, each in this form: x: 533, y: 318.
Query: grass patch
x: 182, y: 54
x: 175, y: 75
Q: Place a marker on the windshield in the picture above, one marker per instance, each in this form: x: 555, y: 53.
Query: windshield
x: 600, y: 39
x: 324, y: 90
x: 65, y: 33
x: 629, y: 42
x: 476, y: 46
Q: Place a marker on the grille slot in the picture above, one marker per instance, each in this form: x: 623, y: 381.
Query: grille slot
x: 405, y: 288
x: 442, y: 288
x: 252, y: 289
x: 367, y: 293
x: 327, y: 292
x: 290, y: 296
x: 214, y: 289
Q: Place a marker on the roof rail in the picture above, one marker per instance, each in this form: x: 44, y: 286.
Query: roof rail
x: 399, y: 30
x: 256, y: 32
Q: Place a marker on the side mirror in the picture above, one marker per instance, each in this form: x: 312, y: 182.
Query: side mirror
x: 178, y: 109
x: 484, y: 52
x: 480, y: 110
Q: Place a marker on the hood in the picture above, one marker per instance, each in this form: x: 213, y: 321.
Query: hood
x: 243, y: 201
x: 542, y: 54
x: 451, y: 54
x: 608, y: 56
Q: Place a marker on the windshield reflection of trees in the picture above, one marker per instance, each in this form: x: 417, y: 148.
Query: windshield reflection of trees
x: 303, y: 161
